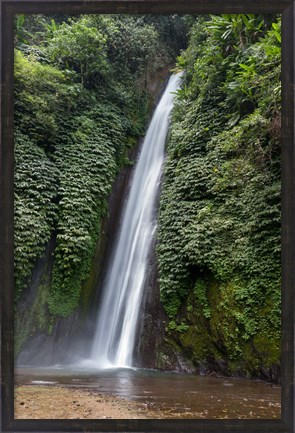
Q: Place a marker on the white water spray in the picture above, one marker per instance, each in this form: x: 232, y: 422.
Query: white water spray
x: 123, y: 288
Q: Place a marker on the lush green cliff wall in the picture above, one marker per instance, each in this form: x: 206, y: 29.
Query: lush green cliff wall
x: 83, y: 95
x: 219, y: 224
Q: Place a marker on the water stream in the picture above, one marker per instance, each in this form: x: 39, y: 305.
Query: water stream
x: 123, y: 288
x: 166, y: 395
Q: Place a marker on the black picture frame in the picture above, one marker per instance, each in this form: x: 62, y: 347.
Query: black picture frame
x: 8, y: 8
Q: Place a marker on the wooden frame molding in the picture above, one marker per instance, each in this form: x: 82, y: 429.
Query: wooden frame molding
x: 8, y: 9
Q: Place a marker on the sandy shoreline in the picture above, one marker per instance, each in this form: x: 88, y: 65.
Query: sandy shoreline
x: 64, y: 402
x: 55, y: 402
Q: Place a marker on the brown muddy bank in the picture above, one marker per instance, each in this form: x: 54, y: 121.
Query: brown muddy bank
x: 46, y: 402
x: 56, y: 402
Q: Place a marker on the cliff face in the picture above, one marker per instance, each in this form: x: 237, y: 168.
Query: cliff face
x: 219, y: 220
x: 40, y: 340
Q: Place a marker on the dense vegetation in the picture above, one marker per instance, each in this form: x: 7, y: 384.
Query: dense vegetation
x: 81, y: 102
x: 219, y: 224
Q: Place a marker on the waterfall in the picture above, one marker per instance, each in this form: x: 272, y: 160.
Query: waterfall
x: 123, y: 287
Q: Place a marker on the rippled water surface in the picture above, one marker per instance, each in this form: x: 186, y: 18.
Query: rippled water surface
x: 168, y: 395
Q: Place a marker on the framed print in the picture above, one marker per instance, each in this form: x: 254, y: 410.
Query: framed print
x: 126, y: 259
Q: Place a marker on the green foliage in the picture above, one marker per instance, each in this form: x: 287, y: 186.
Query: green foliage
x: 236, y: 30
x: 39, y: 89
x: 173, y: 326
x: 172, y: 31
x: 219, y: 222
x: 200, y: 293
x: 36, y: 179
x: 80, y: 47
x: 87, y: 167
x: 136, y: 49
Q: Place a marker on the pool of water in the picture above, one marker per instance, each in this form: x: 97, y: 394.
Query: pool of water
x: 167, y: 395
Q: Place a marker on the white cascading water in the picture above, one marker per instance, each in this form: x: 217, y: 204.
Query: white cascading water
x: 123, y: 288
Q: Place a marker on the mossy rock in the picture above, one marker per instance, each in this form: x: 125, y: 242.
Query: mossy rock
x: 32, y: 320
x: 219, y: 341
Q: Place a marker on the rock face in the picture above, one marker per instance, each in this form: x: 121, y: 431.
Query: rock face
x: 197, y: 350
x: 151, y: 326
x: 197, y: 346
